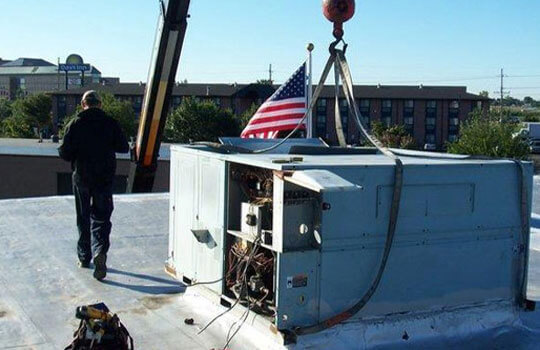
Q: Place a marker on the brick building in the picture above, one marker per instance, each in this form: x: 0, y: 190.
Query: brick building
x: 431, y: 114
x: 237, y: 97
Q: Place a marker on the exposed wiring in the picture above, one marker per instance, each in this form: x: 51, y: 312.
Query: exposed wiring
x: 254, y: 249
x: 231, y: 269
x: 243, y: 317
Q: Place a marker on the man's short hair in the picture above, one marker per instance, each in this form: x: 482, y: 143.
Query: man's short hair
x: 91, y: 98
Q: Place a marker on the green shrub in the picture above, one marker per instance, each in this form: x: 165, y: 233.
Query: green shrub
x: 200, y: 121
x: 487, y: 136
x: 394, y: 136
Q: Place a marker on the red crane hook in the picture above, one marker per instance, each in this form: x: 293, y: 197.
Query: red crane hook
x: 338, y: 12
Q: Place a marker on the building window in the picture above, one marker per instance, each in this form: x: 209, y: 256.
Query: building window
x: 22, y: 83
x: 61, y: 106
x: 476, y: 105
x: 344, y: 112
x: 320, y: 117
x: 217, y: 101
x: 386, y: 112
x: 136, y: 102
x: 408, y: 116
x: 453, y: 120
x: 452, y: 137
x: 431, y: 121
x: 176, y: 101
x: 364, y: 111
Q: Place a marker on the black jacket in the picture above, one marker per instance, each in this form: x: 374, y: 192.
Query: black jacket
x: 90, y: 143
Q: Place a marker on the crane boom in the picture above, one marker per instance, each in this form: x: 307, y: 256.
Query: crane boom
x: 161, y: 78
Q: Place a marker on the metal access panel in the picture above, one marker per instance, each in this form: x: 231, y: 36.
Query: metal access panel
x: 297, y: 289
x: 456, y: 243
x: 198, y: 195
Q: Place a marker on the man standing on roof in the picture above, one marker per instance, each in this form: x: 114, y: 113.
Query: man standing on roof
x: 90, y: 143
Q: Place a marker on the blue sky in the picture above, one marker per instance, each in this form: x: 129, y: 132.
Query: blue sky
x: 434, y: 42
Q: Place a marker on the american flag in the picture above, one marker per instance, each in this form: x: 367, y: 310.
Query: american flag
x: 282, y: 111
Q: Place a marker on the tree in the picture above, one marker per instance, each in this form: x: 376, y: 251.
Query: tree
x: 529, y: 100
x: 16, y: 126
x: 511, y: 101
x: 264, y: 82
x: 65, y: 123
x: 200, y: 121
x: 122, y: 111
x: 36, y: 110
x: 246, y: 116
x: 5, y: 109
x: 483, y: 93
x: 394, y: 136
x: 487, y: 136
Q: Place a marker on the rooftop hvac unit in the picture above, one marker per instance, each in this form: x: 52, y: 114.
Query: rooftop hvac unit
x: 298, y: 235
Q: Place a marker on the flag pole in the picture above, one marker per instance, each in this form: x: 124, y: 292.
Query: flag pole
x: 309, y: 123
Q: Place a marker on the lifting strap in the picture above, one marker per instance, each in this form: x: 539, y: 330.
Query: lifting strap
x: 342, y: 68
x: 337, y: 113
x: 337, y: 59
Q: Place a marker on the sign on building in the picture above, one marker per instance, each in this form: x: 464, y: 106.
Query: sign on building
x: 74, y: 63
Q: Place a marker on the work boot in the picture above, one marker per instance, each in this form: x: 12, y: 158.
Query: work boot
x: 100, y: 266
x: 83, y: 264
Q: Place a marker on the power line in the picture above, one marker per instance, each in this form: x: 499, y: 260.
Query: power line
x: 442, y: 80
x: 524, y: 87
x: 524, y: 76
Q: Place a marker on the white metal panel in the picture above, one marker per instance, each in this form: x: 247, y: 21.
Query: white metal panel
x: 210, y: 216
x: 185, y: 211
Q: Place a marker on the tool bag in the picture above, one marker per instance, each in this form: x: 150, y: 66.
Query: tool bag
x: 104, y: 333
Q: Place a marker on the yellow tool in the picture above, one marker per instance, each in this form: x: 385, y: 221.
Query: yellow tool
x: 89, y: 312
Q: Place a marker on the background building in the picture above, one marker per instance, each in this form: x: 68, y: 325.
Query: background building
x: 431, y: 114
x: 25, y: 76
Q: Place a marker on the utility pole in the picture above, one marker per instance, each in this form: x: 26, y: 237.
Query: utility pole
x: 502, y: 94
x: 270, y: 74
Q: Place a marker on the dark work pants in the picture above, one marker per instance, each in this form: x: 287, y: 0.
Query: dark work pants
x: 94, y: 208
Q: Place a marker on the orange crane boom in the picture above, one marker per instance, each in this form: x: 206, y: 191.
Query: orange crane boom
x: 161, y: 79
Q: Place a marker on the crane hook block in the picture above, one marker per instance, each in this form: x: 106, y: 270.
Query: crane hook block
x: 338, y: 12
